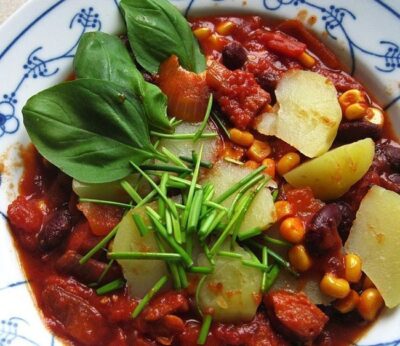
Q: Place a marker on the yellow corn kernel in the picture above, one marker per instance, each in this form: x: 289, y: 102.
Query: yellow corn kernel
x: 215, y: 42
x: 243, y: 138
x: 287, y: 162
x: 355, y: 111
x: 370, y: 303
x: 251, y: 164
x: 334, y: 287
x: 368, y: 283
x: 351, y: 96
x: 283, y: 209
x: 269, y: 167
x: 352, y: 265
x: 202, y: 33
x: 347, y: 304
x: 299, y: 258
x: 292, y: 230
x: 306, y: 60
x: 375, y: 116
x: 259, y: 151
x: 225, y: 28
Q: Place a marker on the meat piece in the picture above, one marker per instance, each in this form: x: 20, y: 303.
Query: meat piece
x: 79, y: 320
x: 86, y: 273
x: 25, y: 214
x: 354, y: 130
x: 391, y: 181
x: 280, y: 43
x: 165, y: 304
x: 55, y: 230
x: 237, y: 92
x: 294, y: 315
x: 255, y: 333
x: 322, y: 235
x: 191, y: 333
x: 234, y: 55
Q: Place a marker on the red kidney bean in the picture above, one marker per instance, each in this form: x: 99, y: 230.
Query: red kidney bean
x: 234, y: 55
x: 322, y: 235
x: 55, y: 230
x: 391, y: 181
x: 269, y: 78
x: 392, y: 154
x: 354, y: 130
x: 86, y: 273
x: 348, y: 216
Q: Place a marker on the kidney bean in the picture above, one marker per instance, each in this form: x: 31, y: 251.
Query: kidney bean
x: 294, y: 315
x: 269, y: 78
x: 77, y: 317
x: 88, y: 272
x: 391, y: 181
x: 354, y: 130
x: 392, y: 154
x: 234, y: 55
x: 348, y: 216
x: 55, y: 230
x: 322, y: 235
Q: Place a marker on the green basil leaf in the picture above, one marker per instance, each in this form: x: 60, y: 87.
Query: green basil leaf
x: 89, y: 128
x: 103, y: 56
x: 157, y: 30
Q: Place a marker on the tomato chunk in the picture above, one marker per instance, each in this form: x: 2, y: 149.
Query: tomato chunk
x: 281, y: 43
x: 26, y: 214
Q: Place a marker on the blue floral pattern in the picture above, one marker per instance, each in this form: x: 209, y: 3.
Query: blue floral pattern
x: 39, y: 67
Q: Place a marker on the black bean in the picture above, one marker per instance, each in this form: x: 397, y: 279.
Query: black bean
x: 55, y: 230
x: 269, y: 78
x: 234, y: 55
x: 348, y: 216
x: 354, y: 130
x: 322, y: 235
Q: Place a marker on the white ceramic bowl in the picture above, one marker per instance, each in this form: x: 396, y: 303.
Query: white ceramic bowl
x: 36, y: 49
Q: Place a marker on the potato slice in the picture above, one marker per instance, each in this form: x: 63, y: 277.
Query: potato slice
x: 141, y: 275
x: 185, y: 147
x: 266, y: 124
x: 261, y: 212
x: 332, y: 174
x: 309, y: 112
x: 233, y: 290
x: 375, y: 237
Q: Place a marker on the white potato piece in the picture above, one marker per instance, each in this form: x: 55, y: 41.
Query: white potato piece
x: 185, y: 147
x: 108, y: 191
x: 141, y: 275
x: 266, y: 124
x: 309, y: 113
x: 261, y: 213
x: 233, y: 290
x: 375, y: 237
x: 332, y: 174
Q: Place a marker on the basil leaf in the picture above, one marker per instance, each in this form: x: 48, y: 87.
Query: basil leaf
x: 89, y: 128
x: 157, y: 30
x: 103, y: 56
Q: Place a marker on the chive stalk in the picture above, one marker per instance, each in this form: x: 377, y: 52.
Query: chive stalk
x: 204, y: 330
x: 164, y: 256
x: 275, y: 241
x: 249, y: 233
x: 272, y: 275
x: 235, y: 162
x: 110, y: 287
x: 173, y: 158
x: 201, y: 269
x: 105, y: 272
x: 229, y: 254
x: 195, y: 210
x: 203, y: 164
x: 140, y: 225
x: 264, y: 279
x: 215, y: 116
x: 203, y: 124
x: 100, y: 201
x: 131, y: 191
x: 146, y: 299
x: 254, y: 264
x: 183, y: 136
x: 101, y: 244
x: 165, y: 168
x: 183, y: 277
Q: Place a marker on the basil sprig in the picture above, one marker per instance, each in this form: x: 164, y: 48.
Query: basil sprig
x: 90, y: 129
x: 157, y: 30
x: 103, y: 56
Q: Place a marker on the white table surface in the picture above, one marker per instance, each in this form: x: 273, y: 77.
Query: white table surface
x: 7, y: 7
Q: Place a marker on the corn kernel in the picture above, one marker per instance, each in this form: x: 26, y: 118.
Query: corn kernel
x: 368, y: 283
x: 232, y: 151
x: 251, y: 164
x: 215, y: 42
x: 334, y: 287
x: 202, y: 33
x: 292, y: 230
x: 287, y: 162
x: 299, y: 258
x: 353, y: 271
x: 306, y: 60
x: 351, y: 96
x: 370, y: 303
x: 375, y: 116
x: 347, y: 304
x: 269, y: 167
x: 225, y: 28
x: 355, y: 111
x: 259, y: 151
x: 243, y: 138
x: 283, y: 209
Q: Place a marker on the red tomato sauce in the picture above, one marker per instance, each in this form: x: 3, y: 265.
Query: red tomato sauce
x: 63, y: 289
